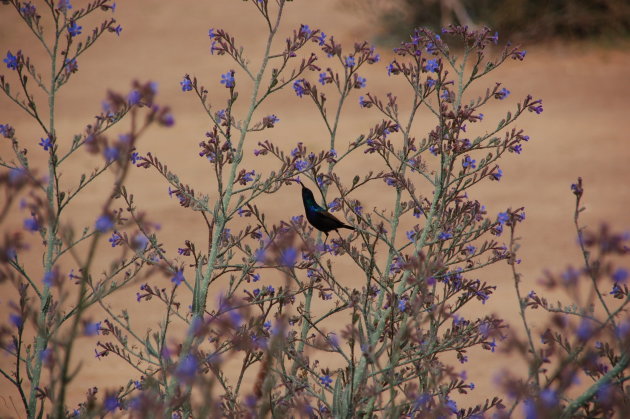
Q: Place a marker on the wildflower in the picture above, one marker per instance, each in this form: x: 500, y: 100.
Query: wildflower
x: 111, y: 153
x: 178, y: 278
x: 350, y: 62
x: 468, y: 162
x: 503, y: 217
x: 111, y: 403
x: 361, y: 82
x: 289, y: 256
x: 71, y: 66
x: 323, y: 78
x: 299, y: 87
x: 187, y: 369
x: 445, y: 236
x: 620, y: 275
x: 74, y: 29
x: 16, y: 320
x: 502, y: 94
x: 134, y: 97
x: 301, y: 165
x: 227, y: 79
x: 91, y: 329
x: 104, y: 223
x: 118, y: 29
x: 31, y: 224
x: 321, y: 38
x: 11, y: 61
x: 115, y: 239
x: 186, y: 84
x: 432, y: 66
x: 211, y: 33
x: 326, y: 380
x: 364, y: 103
x: 134, y: 157
x: 497, y: 174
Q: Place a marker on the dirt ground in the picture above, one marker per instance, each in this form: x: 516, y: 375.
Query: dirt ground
x: 582, y: 132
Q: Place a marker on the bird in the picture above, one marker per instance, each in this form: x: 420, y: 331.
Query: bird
x: 318, y: 217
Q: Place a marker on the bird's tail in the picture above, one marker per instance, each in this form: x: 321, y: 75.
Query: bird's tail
x: 348, y: 227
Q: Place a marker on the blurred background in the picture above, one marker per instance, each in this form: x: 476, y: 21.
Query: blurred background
x: 577, y: 62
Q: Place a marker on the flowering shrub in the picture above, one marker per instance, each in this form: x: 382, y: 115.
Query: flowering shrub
x: 311, y: 346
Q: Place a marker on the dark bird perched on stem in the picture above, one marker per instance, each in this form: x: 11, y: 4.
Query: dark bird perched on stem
x: 318, y: 216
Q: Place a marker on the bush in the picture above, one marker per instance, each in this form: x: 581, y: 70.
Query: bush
x: 394, y: 332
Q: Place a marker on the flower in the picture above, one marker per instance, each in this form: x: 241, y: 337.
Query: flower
x: 186, y: 84
x: 31, y: 224
x: 350, y: 62
x: 91, y: 329
x: 496, y: 175
x: 468, y: 162
x: 432, y: 66
x: 445, y: 236
x: 211, y: 33
x: 620, y: 275
x: 502, y: 94
x: 503, y: 217
x: 326, y: 380
x: 178, y: 278
x: 289, y: 256
x: 300, y: 165
x: 228, y: 79
x: 361, y: 82
x: 118, y: 29
x: 111, y: 403
x: 64, y: 5
x: 70, y: 65
x: 299, y: 87
x: 115, y: 239
x: 104, y: 223
x: 74, y: 29
x: 11, y: 61
x: 134, y: 97
x: 364, y: 103
x: 111, y: 154
x: 321, y: 38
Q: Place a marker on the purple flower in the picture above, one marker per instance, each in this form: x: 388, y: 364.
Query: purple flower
x: 11, y: 61
x: 620, y: 275
x: 134, y: 157
x: 497, y: 175
x: 104, y: 223
x: 335, y: 205
x: 178, y: 278
x: 361, y: 82
x: 64, y: 5
x: 74, y: 29
x: 495, y: 38
x: 249, y: 176
x: 503, y: 217
x: 71, y: 65
x: 111, y: 403
x: 502, y: 94
x: 46, y: 143
x: 28, y: 10
x: 321, y: 38
x: 432, y: 66
x: 517, y: 148
x: 211, y: 33
x: 322, y: 78
x: 91, y: 329
x: 390, y: 69
x: 16, y: 320
x: 187, y: 369
x: 326, y: 380
x: 468, y: 162
x: 228, y: 79
x: 363, y: 103
x: 301, y: 165
x: 304, y: 29
x: 299, y: 87
x: 585, y: 330
x: 118, y: 29
x: 350, y: 62
x: 31, y: 224
x: 289, y: 256
x: 256, y: 277
x: 115, y: 239
x: 186, y: 84
x: 445, y: 236
x: 402, y: 305
x: 6, y: 130
x: 134, y: 97
x: 111, y: 153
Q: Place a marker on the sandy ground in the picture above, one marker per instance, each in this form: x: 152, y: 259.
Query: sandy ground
x: 581, y: 133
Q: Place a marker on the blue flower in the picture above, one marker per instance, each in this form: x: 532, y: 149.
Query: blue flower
x: 321, y: 38
x: 445, y: 236
x: 6, y: 130
x: 104, y: 223
x: 211, y: 33
x: 363, y: 103
x: 503, y: 218
x: 322, y: 78
x: 495, y: 38
x: 91, y: 329
x: 620, y: 275
x: 402, y: 305
x: 497, y: 175
x: 134, y: 97
x: 16, y: 320
x: 228, y: 79
x: 326, y: 380
x: 502, y: 94
x: 118, y: 29
x: 186, y: 84
x: 134, y: 157
x: 46, y: 143
x: 111, y: 153
x: 432, y: 66
x: 187, y: 368
x: 361, y: 82
x: 390, y: 69
x: 299, y: 87
x: 31, y: 224
x: 301, y: 165
x: 178, y: 278
x: 111, y: 403
x: 517, y: 148
x: 350, y: 62
x: 64, y: 5
x: 70, y: 65
x: 468, y: 162
x: 411, y: 235
x: 256, y: 277
x: 11, y: 61
x: 28, y: 10
x: 74, y: 29
x: 115, y: 239
x: 249, y: 176
x: 289, y: 256
x: 305, y: 30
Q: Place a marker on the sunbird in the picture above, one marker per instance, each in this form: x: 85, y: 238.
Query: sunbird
x: 318, y: 216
